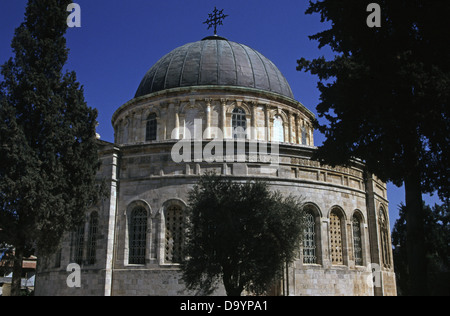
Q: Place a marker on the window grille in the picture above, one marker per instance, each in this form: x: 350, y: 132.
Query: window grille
x: 336, y: 239
x: 92, y: 238
x: 174, y: 234
x: 357, y: 241
x: 58, y: 257
x: 78, y: 245
x: 239, y: 123
x: 385, y: 253
x: 309, y: 240
x: 152, y: 125
x: 138, y: 236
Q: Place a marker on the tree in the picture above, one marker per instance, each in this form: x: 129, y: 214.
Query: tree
x: 239, y: 233
x: 437, y: 239
x: 386, y: 99
x: 48, y: 150
x: 5, y: 254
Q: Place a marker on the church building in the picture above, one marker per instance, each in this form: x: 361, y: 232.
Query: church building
x: 222, y: 92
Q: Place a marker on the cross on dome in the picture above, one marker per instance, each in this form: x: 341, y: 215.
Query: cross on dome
x: 216, y: 18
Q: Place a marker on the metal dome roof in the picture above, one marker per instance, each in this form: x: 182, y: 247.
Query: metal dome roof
x: 214, y: 61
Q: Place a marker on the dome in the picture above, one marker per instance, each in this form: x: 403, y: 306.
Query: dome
x: 214, y: 61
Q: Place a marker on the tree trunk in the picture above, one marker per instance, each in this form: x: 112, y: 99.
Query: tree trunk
x: 233, y: 292
x: 231, y: 283
x: 17, y: 272
x: 415, y: 235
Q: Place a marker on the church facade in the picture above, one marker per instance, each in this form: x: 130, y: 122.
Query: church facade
x: 220, y: 106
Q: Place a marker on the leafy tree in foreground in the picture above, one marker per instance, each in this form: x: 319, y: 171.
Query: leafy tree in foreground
x: 48, y: 151
x: 386, y: 97
x: 437, y: 241
x: 239, y: 233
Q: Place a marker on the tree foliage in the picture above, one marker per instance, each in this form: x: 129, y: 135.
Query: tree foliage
x: 48, y: 151
x: 437, y: 241
x: 385, y: 97
x: 389, y: 87
x: 239, y: 233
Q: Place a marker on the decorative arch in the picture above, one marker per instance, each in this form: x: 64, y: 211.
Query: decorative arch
x: 281, y: 113
x: 313, y: 207
x: 174, y: 201
x: 142, y: 203
x: 339, y: 210
x: 186, y: 106
x: 152, y: 109
x: 230, y: 107
x: 360, y: 215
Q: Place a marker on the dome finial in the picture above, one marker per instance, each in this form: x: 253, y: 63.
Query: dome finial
x: 215, y: 18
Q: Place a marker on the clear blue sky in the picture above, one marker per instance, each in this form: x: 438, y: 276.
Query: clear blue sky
x: 120, y: 40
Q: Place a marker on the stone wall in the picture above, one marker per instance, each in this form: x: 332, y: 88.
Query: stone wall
x: 144, y: 174
x: 180, y: 110
x: 335, y: 281
x: 322, y: 187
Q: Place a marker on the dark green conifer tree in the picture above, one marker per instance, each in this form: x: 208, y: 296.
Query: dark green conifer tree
x: 386, y: 97
x: 48, y: 151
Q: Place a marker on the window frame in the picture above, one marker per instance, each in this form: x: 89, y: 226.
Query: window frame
x: 151, y: 129
x: 358, y: 240
x: 92, y: 239
x: 137, y: 239
x: 310, y: 244
x: 239, y: 120
x: 384, y: 239
x: 278, y: 129
x: 337, y: 237
x: 174, y: 234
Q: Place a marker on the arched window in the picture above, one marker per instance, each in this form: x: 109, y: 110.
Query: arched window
x: 309, y: 239
x: 304, y: 136
x: 151, y: 130
x: 357, y: 240
x: 278, y: 129
x: 137, y: 236
x: 174, y: 219
x: 92, y: 238
x: 58, y: 257
x: 239, y: 123
x: 192, y: 128
x: 78, y: 245
x: 337, y: 256
x: 386, y: 254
